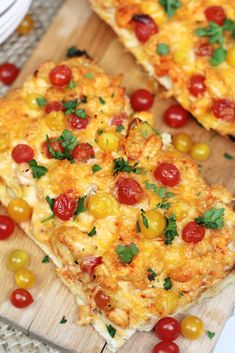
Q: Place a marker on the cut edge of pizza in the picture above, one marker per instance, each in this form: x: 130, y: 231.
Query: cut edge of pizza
x: 214, y: 109
x: 95, y: 190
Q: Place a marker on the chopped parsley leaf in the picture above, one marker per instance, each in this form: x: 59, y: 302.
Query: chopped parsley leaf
x: 37, y: 170
x: 120, y: 165
x: 92, y: 232
x: 80, y: 206
x: 170, y: 6
x: 212, y: 219
x: 164, y: 205
x: 151, y: 274
x: 72, y: 84
x: 126, y: 252
x: 167, y: 284
x: 218, y: 57
x: 84, y: 99
x: 68, y: 142
x: 111, y: 330
x: 41, y: 101
x: 170, y: 231
x: 137, y: 227
x: 63, y: 320
x: 51, y: 202
x: 214, y: 32
x: 144, y: 219
x: 81, y: 113
x: 162, y: 49
x: 70, y: 106
x: 73, y: 52
x: 102, y: 101
x: 46, y: 259
x: 96, y: 168
x: 210, y: 334
x: 119, y: 128
x: 160, y: 191
x: 228, y: 156
x: 89, y: 75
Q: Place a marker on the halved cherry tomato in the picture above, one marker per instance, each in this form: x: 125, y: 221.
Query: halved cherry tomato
x: 176, y: 116
x: 102, y: 300
x: 88, y: 264
x: 119, y: 118
x: 204, y: 49
x: 8, y: 73
x: 60, y: 76
x: 22, y: 153
x: 193, y: 233
x: 196, y: 85
x: 167, y: 329
x: 166, y: 347
x: 21, y: 298
x: 55, y: 145
x: 54, y: 107
x: 144, y: 27
x: 167, y: 174
x: 224, y: 109
x: 83, y: 152
x: 141, y: 100
x: 215, y: 14
x: 7, y: 227
x: 129, y: 191
x: 65, y: 206
x: 192, y: 327
x: 75, y: 122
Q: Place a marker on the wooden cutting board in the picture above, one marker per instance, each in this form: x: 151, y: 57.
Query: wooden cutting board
x: 77, y: 25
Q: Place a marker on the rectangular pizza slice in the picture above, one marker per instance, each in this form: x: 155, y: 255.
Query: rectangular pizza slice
x: 133, y: 229
x: 188, y: 46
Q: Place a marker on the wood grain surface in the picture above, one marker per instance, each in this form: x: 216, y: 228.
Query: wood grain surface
x: 76, y: 24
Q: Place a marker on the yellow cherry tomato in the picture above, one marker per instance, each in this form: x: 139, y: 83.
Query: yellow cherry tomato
x: 231, y: 56
x: 152, y: 224
x: 108, y: 141
x: 182, y: 142
x: 19, y: 210
x: 192, y: 327
x: 17, y: 259
x: 166, y: 302
x: 4, y: 142
x: 31, y: 101
x: 102, y: 205
x: 25, y: 278
x: 200, y: 151
x: 56, y: 121
x: 26, y: 25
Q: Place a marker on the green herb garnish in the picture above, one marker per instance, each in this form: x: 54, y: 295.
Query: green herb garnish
x: 80, y: 206
x: 72, y: 84
x: 63, y: 320
x: 212, y: 219
x: 218, y: 57
x: 170, y: 231
x: 37, y: 170
x: 162, y: 49
x: 41, y: 101
x: 46, y: 259
x: 102, y: 101
x: 121, y: 165
x: 96, y: 168
x: 111, y: 330
x: 228, y: 156
x: 210, y: 334
x: 119, y: 128
x: 170, y: 6
x: 89, y: 75
x: 167, y: 284
x: 144, y: 219
x: 151, y: 274
x: 126, y: 252
x: 92, y: 232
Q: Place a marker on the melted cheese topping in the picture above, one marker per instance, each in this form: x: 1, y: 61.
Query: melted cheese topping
x: 175, y: 69
x: 135, y: 300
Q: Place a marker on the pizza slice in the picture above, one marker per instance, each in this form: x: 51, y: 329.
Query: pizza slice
x: 188, y: 46
x: 133, y: 229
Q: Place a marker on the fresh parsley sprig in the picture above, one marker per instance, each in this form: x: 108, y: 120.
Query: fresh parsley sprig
x: 170, y: 231
x: 71, y: 107
x: 121, y: 165
x: 126, y: 252
x: 68, y: 142
x: 51, y: 202
x: 167, y: 284
x: 37, y: 170
x: 80, y: 206
x: 151, y: 274
x: 170, y: 6
x: 212, y: 219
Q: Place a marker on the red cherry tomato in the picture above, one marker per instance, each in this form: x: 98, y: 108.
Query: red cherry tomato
x: 102, y: 300
x: 129, y: 191
x: 22, y: 153
x: 196, y: 85
x: 141, y: 100
x: 7, y: 227
x: 65, y: 206
x: 54, y: 107
x: 60, y: 76
x: 88, y: 264
x: 167, y: 174
x: 119, y: 118
x: 167, y: 329
x: 55, y: 145
x: 166, y: 347
x: 144, y: 27
x: 75, y: 122
x: 83, y: 152
x: 193, y: 233
x: 215, y: 14
x: 204, y: 49
x: 21, y: 298
x: 176, y: 116
x: 8, y: 73
x: 224, y: 109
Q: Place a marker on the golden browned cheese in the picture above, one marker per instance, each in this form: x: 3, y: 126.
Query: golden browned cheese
x: 160, y: 277
x: 177, y: 29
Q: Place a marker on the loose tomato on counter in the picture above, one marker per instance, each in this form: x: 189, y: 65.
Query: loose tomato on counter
x: 167, y: 174
x: 17, y: 259
x: 21, y: 298
x: 166, y: 347
x: 65, y: 206
x: 192, y: 327
x: 102, y: 300
x: 22, y: 153
x: 7, y: 227
x: 176, y: 116
x: 129, y: 191
x: 167, y: 329
x: 144, y: 27
x: 8, y: 73
x: 25, y: 278
x: 200, y: 151
x: 193, y: 233
x: 19, y: 210
x: 88, y: 264
x: 60, y: 76
x: 141, y: 100
x: 182, y: 142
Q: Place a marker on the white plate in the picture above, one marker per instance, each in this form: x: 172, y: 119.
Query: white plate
x: 5, y: 5
x: 17, y: 7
